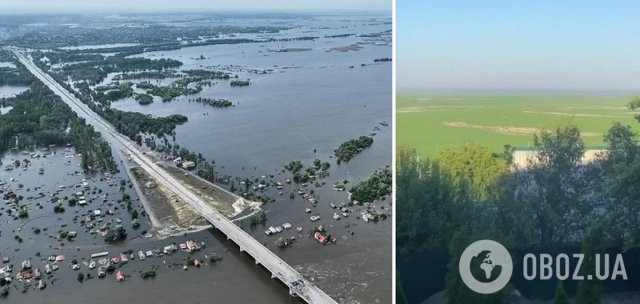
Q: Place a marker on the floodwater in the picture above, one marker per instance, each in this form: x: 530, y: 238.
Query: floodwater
x: 7, y: 65
x: 233, y: 276
x: 5, y: 110
x: 10, y: 91
x: 314, y: 99
x: 311, y: 100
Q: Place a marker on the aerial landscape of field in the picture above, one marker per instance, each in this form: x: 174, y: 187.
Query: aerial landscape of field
x: 431, y: 122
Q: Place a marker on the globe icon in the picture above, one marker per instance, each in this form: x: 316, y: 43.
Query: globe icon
x: 484, y: 268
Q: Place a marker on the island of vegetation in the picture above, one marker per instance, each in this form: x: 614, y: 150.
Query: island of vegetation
x: 288, y: 50
x: 96, y: 71
x: 144, y: 99
x: 350, y: 148
x: 182, y: 86
x: 240, y: 83
x: 375, y: 187
x: 319, y: 169
x: 213, y: 102
x: 147, y: 75
x: 170, y: 92
x: 109, y: 93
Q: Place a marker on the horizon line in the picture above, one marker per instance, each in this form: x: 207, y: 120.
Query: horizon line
x: 104, y: 11
x: 513, y: 90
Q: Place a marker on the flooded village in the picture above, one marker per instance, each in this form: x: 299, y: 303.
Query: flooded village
x: 55, y: 216
x: 310, y: 180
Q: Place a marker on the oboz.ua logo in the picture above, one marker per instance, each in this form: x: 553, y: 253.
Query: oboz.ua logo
x: 485, y: 266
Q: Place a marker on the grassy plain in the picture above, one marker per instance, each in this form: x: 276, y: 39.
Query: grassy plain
x: 431, y: 122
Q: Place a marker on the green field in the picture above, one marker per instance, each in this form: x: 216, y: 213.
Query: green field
x: 430, y: 122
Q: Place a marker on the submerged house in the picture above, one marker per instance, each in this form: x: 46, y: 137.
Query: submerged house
x: 188, y: 165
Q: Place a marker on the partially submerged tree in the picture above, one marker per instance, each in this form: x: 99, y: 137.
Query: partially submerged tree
x: 115, y: 234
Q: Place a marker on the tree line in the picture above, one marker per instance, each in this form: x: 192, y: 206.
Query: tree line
x: 470, y: 193
x: 95, y: 71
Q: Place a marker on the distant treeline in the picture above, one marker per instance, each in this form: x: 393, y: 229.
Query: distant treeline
x: 96, y: 71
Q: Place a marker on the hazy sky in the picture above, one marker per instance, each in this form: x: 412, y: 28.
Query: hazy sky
x: 156, y: 5
x: 511, y: 45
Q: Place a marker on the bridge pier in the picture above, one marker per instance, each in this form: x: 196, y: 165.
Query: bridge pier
x: 257, y: 262
x: 291, y: 293
x: 241, y: 250
x: 273, y: 276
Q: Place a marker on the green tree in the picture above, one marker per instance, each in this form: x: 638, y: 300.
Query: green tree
x: 350, y: 148
x: 589, y: 290
x: 622, y: 143
x: 507, y: 154
x: 634, y: 105
x: 621, y: 168
x: 401, y: 298
x: 560, y: 149
x: 475, y: 165
x: 376, y: 186
x: 561, y: 294
x: 429, y: 206
x: 553, y: 190
x: 115, y: 234
x: 456, y: 290
x: 294, y: 166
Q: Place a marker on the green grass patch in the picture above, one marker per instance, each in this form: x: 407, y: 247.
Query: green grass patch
x: 432, y: 122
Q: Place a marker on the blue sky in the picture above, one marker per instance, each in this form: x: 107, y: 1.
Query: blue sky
x: 173, y: 5
x: 514, y: 45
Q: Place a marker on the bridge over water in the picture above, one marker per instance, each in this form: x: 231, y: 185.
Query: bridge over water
x: 297, y: 284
